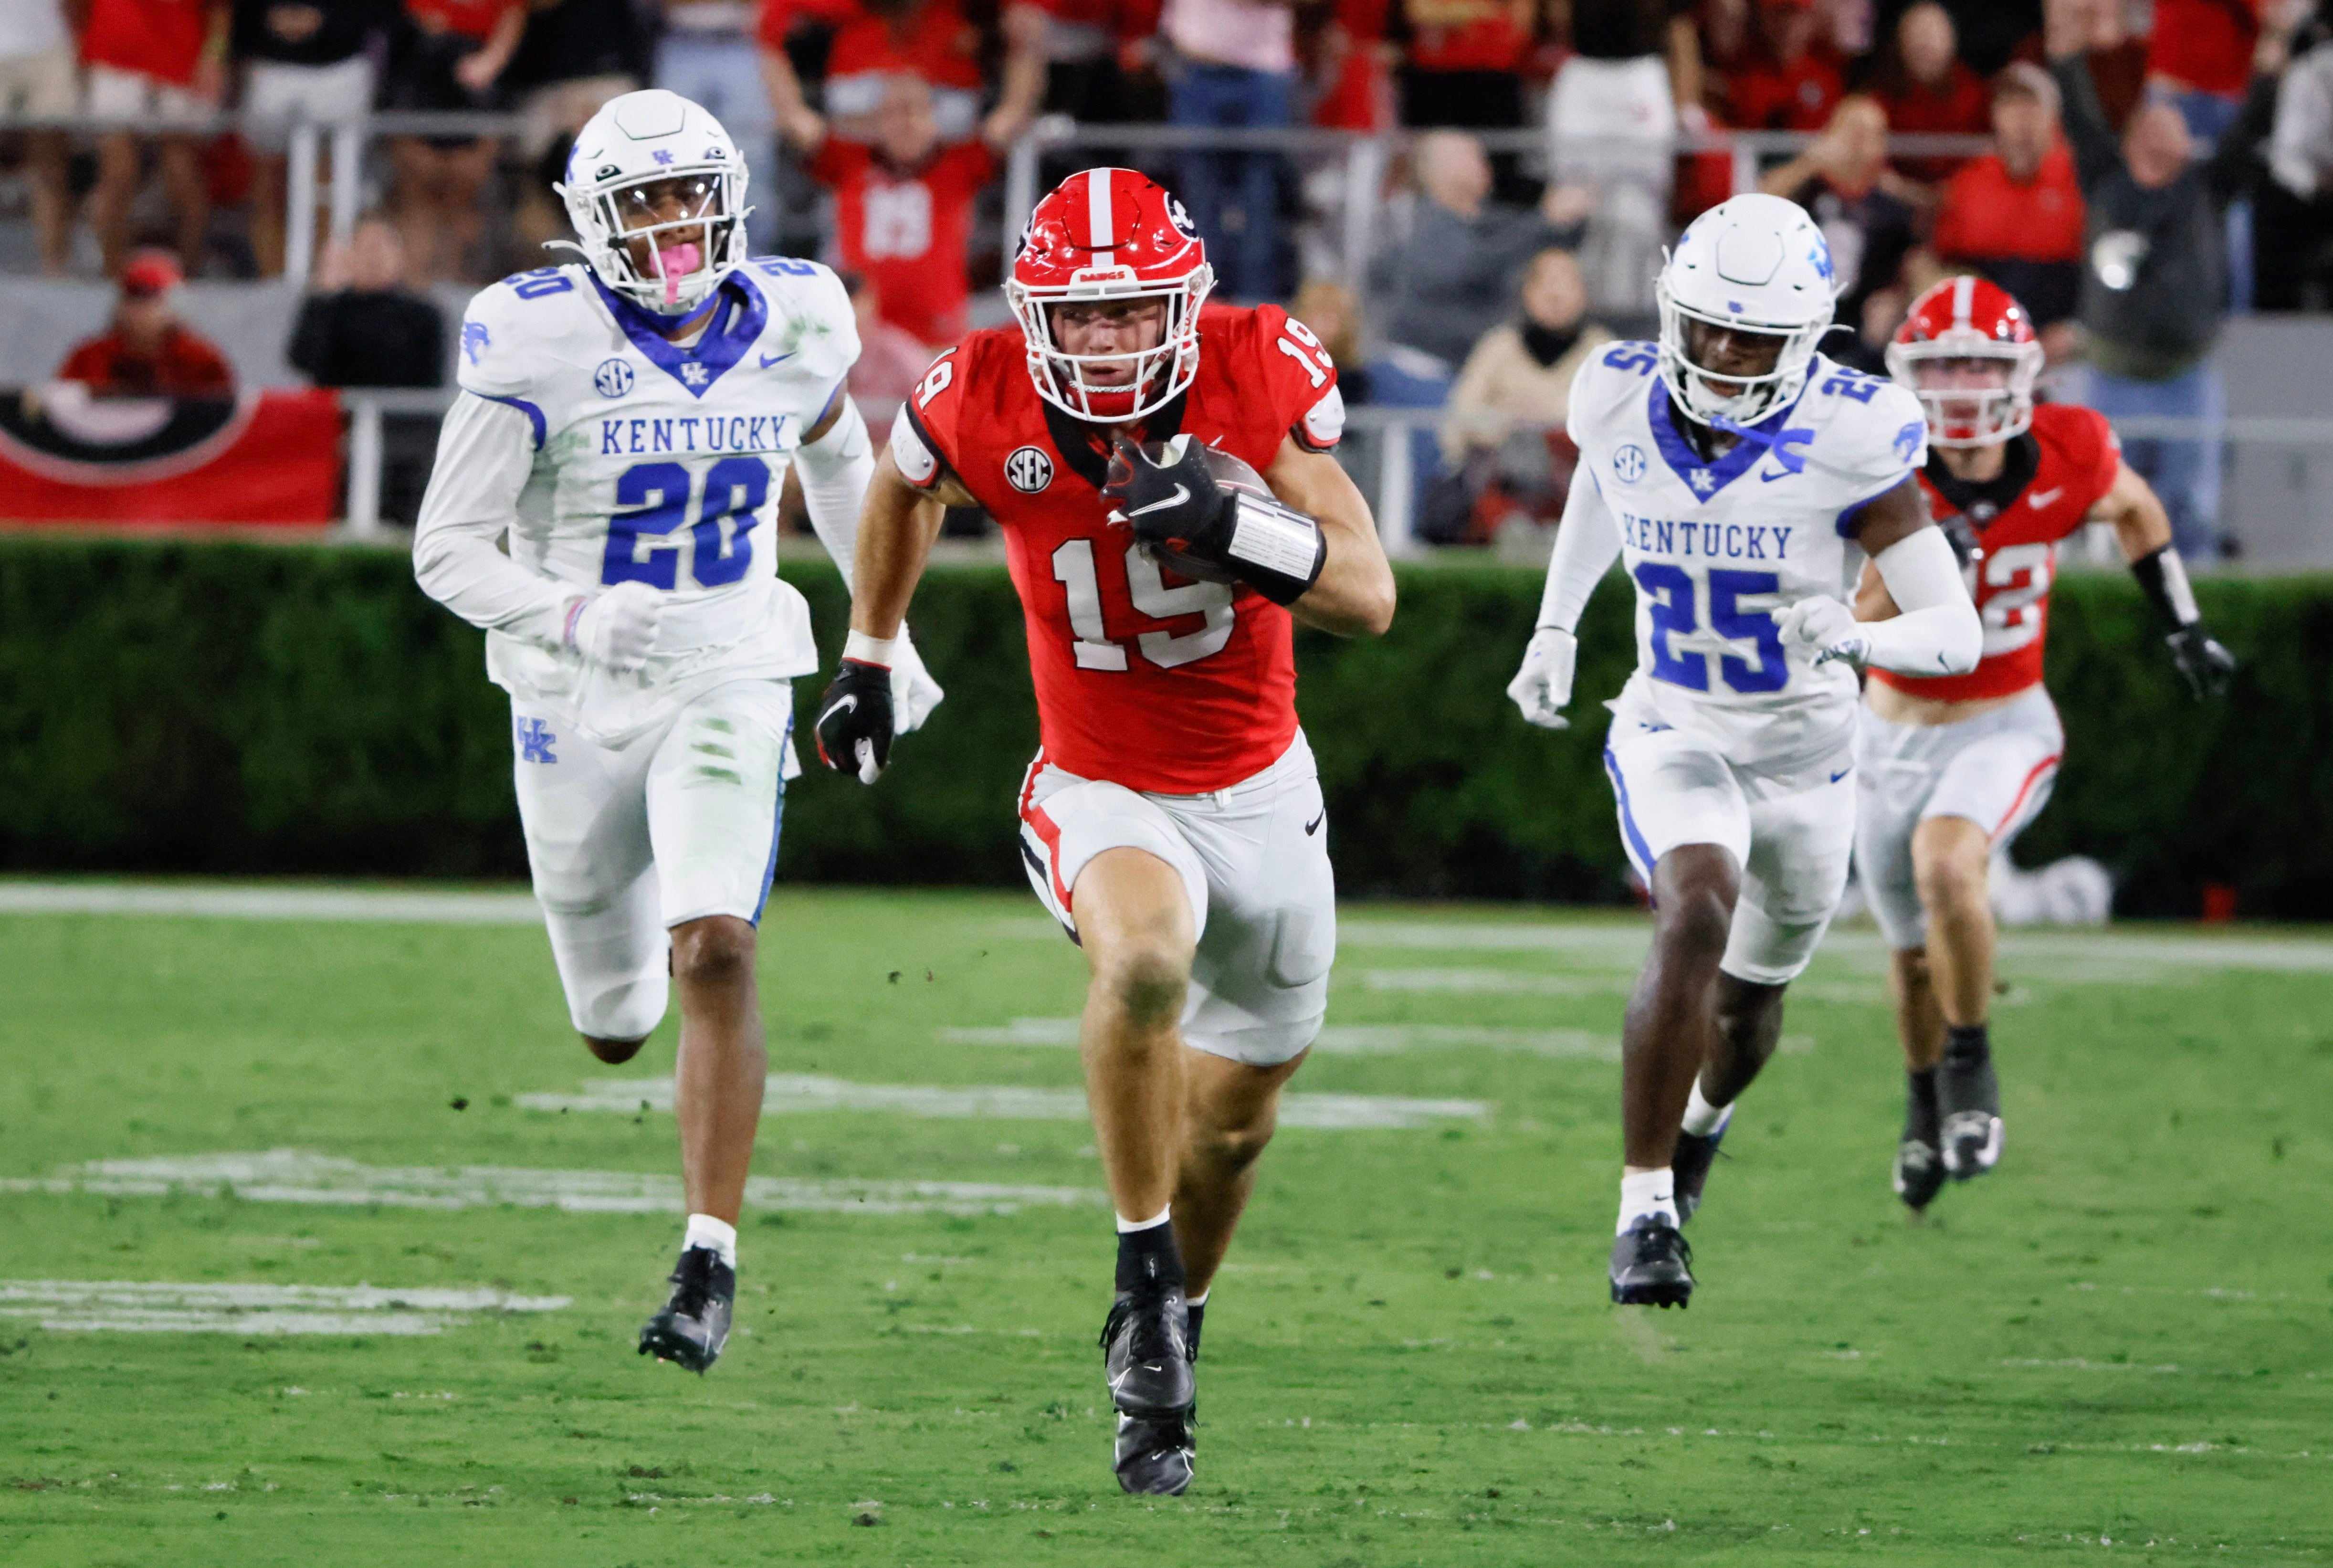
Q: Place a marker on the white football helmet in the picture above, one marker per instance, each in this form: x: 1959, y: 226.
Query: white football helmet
x: 643, y: 139
x: 1753, y: 264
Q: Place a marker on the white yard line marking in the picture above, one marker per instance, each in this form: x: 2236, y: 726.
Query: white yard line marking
x: 400, y: 906
x: 2137, y: 950
x: 1368, y: 1039
x: 138, y: 1306
x: 789, y: 1095
x: 295, y: 1175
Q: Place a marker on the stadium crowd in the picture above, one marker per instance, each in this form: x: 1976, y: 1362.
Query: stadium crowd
x: 2145, y: 166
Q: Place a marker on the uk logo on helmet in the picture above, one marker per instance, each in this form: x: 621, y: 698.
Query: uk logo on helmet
x: 1028, y: 470
x: 613, y: 378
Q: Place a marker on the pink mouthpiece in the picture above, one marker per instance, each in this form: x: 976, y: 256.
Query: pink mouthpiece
x: 678, y: 261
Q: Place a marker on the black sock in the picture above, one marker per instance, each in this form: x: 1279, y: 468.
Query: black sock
x: 1966, y: 1045
x: 1920, y: 1104
x: 1148, y: 1259
x: 1198, y: 1313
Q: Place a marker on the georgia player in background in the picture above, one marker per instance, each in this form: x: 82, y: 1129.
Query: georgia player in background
x: 1172, y: 821
x: 1950, y: 768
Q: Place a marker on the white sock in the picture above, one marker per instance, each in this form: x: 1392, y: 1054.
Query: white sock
x: 1644, y: 1192
x: 1126, y: 1225
x: 1201, y: 1299
x: 719, y: 1234
x: 1702, y: 1118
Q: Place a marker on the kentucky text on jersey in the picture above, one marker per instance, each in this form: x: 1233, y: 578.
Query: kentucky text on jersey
x: 1705, y: 541
x: 697, y: 433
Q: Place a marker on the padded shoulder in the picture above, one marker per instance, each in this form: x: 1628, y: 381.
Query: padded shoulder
x: 513, y: 328
x: 1869, y: 431
x: 809, y: 313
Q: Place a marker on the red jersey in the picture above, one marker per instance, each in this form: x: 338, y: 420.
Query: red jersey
x: 162, y: 38
x: 1986, y: 216
x: 2074, y: 462
x: 1468, y: 34
x: 1143, y: 679
x: 908, y: 232
x: 2206, y: 44
x: 1768, y: 95
x: 185, y: 366
x: 468, y: 18
x: 932, y: 40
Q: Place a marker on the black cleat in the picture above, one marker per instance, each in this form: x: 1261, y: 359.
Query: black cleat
x: 1689, y: 1166
x: 1919, y: 1158
x: 1153, y: 1457
x: 695, y: 1322
x: 1147, y: 1353
x: 1968, y: 1102
x: 1651, y: 1265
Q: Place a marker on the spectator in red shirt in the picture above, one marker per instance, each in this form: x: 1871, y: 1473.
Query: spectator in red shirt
x: 448, y: 57
x: 2015, y: 215
x: 147, y: 352
x: 1464, y: 61
x: 875, y: 40
x: 903, y: 211
x: 2200, y: 58
x: 1928, y: 89
x: 891, y: 359
x: 1792, y: 79
x: 153, y: 59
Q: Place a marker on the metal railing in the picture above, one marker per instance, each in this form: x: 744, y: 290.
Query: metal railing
x: 340, y: 147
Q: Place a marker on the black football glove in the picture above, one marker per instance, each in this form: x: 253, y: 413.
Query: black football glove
x: 854, y: 721
x: 2206, y: 666
x: 1176, y: 503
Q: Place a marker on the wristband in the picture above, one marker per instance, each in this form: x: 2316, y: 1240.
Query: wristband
x: 575, y: 608
x: 861, y: 648
x: 2163, y: 575
x: 1274, y: 548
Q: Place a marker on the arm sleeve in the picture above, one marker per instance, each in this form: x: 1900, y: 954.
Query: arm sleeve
x: 2239, y: 151
x: 2096, y: 153
x: 1938, y: 631
x: 835, y: 472
x: 310, y: 335
x: 486, y: 452
x: 1586, y: 546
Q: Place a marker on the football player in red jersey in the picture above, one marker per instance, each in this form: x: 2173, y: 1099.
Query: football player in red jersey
x: 1950, y: 769
x: 1161, y: 470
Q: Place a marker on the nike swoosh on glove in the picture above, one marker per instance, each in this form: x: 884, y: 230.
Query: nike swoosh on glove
x: 854, y: 721
x: 1543, y: 685
x: 616, y: 628
x: 1827, y: 627
x: 1172, y: 499
x: 914, y: 692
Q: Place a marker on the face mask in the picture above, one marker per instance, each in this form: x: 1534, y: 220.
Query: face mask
x: 1546, y: 345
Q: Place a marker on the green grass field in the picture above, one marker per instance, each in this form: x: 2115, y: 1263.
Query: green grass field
x: 2121, y: 1338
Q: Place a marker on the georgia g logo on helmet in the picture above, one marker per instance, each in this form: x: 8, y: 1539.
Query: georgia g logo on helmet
x: 1110, y: 237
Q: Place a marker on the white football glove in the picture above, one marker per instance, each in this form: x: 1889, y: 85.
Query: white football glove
x: 914, y: 692
x: 616, y: 628
x: 1543, y: 685
x: 1826, y: 626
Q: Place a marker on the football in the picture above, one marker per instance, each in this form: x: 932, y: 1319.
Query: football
x: 1231, y: 474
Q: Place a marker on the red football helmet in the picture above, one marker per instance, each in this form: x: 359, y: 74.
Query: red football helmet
x: 1968, y: 352
x: 1110, y: 233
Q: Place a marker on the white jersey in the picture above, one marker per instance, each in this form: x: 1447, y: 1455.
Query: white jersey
x: 652, y: 462
x: 1716, y: 548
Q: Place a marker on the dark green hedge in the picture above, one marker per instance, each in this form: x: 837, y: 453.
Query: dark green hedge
x: 258, y: 708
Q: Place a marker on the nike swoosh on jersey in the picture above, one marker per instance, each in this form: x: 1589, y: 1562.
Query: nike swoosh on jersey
x: 1182, y: 494
x: 2040, y: 498
x: 1840, y: 774
x: 769, y: 360
x: 1314, y: 825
